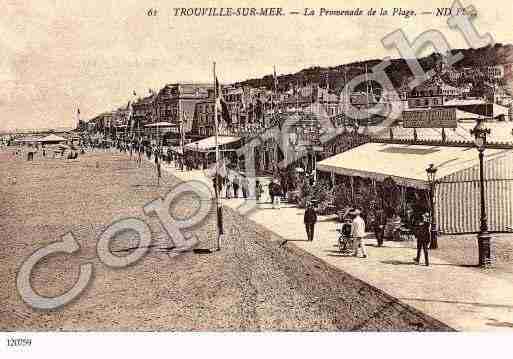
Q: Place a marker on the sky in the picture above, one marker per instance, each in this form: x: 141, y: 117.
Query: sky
x: 58, y: 55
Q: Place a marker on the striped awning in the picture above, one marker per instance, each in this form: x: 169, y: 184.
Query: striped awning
x: 458, y: 202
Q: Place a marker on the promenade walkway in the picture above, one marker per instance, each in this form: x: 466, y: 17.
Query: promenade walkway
x: 465, y: 298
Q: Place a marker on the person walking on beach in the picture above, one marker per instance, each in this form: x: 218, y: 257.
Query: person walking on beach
x: 358, y: 234
x: 310, y: 219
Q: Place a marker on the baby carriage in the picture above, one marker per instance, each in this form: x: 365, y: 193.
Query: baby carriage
x: 345, y: 241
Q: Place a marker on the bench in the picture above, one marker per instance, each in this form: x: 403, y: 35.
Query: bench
x: 406, y: 234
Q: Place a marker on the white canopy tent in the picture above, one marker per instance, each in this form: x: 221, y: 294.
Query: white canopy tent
x: 210, y: 142
x: 52, y: 139
x: 29, y: 139
x: 457, y: 202
x: 406, y: 164
x: 160, y: 124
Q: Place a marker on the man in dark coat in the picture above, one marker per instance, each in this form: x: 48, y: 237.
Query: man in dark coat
x: 271, y: 192
x: 310, y: 219
x: 235, y: 184
x: 245, y: 187
x: 422, y: 233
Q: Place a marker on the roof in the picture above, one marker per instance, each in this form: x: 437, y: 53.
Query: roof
x: 52, y: 138
x: 161, y: 124
x: 27, y: 139
x: 406, y: 164
x: 460, y: 102
x: 145, y: 100
x: 494, y: 108
x: 501, y: 131
x: 210, y: 142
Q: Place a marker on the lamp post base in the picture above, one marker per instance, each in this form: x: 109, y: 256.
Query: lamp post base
x: 484, y: 247
x: 434, y: 239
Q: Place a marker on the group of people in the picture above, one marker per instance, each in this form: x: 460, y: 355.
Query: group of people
x: 30, y: 152
x: 353, y: 225
x: 236, y: 185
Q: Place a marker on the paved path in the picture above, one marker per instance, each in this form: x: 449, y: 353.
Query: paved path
x: 252, y: 284
x: 462, y: 297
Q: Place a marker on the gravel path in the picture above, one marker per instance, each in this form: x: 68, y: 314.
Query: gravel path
x: 253, y: 284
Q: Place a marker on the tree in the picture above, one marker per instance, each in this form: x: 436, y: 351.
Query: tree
x: 390, y: 195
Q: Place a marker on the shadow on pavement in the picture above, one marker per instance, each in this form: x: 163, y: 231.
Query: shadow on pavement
x: 398, y: 263
x: 339, y: 254
x: 293, y: 240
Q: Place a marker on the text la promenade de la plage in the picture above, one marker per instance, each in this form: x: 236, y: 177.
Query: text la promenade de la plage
x: 322, y: 11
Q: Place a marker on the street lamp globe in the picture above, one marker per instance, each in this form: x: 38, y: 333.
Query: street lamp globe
x: 431, y: 173
x: 480, y: 132
x: 479, y: 141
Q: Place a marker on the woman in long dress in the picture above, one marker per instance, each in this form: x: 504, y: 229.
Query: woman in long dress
x: 228, y: 188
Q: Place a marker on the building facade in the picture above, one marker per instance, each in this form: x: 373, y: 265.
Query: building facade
x: 176, y: 104
x: 143, y: 111
x: 432, y: 93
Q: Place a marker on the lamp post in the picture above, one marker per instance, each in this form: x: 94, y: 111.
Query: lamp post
x: 431, y: 175
x: 484, y: 237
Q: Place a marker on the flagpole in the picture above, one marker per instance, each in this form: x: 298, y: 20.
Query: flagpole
x: 219, y: 215
x: 182, y: 131
x: 156, y: 159
x: 273, y: 91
